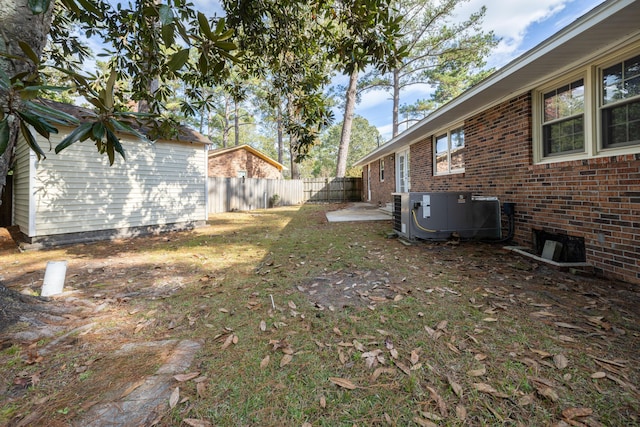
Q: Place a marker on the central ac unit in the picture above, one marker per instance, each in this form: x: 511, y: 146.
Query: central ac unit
x: 437, y: 216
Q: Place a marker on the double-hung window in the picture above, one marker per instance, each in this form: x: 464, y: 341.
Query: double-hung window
x: 563, y: 119
x: 594, y: 113
x: 449, y: 152
x: 620, y: 104
x: 381, y: 170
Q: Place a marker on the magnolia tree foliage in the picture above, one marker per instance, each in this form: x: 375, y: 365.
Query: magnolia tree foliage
x: 298, y: 44
x: 147, y: 41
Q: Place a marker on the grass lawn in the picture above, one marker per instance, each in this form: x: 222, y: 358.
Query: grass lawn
x: 302, y: 322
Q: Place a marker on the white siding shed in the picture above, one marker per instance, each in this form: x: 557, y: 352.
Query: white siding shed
x: 76, y: 196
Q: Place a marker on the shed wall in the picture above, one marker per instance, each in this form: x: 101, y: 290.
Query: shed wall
x: 77, y: 191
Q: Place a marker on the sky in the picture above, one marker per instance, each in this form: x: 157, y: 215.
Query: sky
x: 520, y: 24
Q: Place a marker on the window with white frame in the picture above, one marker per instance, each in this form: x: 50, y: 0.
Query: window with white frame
x: 449, y: 152
x: 595, y: 113
x: 620, y: 104
x: 381, y: 170
x: 563, y: 119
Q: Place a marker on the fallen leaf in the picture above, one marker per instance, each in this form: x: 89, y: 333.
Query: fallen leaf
x: 223, y: 310
x: 193, y: 422
x: 560, y: 361
x: 486, y: 388
x: 292, y: 305
x: 431, y: 416
x: 480, y: 357
x: 307, y: 424
x: 571, y: 413
x: 337, y: 332
x: 402, y: 367
x: 341, y: 356
x: 186, y: 377
x: 489, y: 319
x: 175, y: 396
x: 461, y: 412
x: 424, y: 423
x: 131, y: 388
x: 541, y: 353
x: 527, y: 399
x: 453, y: 348
x: 442, y: 405
x: 442, y: 325
x: 323, y: 402
x: 265, y: 361
x: 598, y: 375
x: 457, y: 388
x: 344, y: 383
x: 394, y: 353
x: 228, y: 341
x: 549, y: 393
x: 477, y: 372
x: 542, y: 314
x: 566, y: 325
x: 286, y: 359
x: 566, y: 338
x: 263, y: 325
x: 414, y: 357
x: 201, y: 389
x: 380, y: 371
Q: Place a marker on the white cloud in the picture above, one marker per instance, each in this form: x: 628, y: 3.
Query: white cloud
x: 374, y: 98
x: 520, y: 22
x: 385, y: 131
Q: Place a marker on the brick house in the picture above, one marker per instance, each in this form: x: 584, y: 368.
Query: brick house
x: 556, y: 132
x: 243, y: 161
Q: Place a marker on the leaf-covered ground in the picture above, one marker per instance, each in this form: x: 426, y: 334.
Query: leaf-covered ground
x: 296, y: 321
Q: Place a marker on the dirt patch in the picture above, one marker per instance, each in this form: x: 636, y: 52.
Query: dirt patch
x: 342, y: 289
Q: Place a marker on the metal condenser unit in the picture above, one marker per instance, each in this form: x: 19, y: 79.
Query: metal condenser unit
x: 439, y: 216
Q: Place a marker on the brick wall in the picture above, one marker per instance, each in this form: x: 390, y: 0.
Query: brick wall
x: 380, y: 190
x: 595, y: 199
x: 230, y: 163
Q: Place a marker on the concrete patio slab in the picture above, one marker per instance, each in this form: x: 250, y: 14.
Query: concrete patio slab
x: 360, y: 211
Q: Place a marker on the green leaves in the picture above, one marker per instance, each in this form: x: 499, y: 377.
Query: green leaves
x: 81, y: 133
x: 29, y: 52
x: 31, y: 141
x: 178, y: 60
x: 39, y: 124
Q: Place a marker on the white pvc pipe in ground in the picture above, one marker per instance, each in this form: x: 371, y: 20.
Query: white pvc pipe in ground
x: 54, y: 278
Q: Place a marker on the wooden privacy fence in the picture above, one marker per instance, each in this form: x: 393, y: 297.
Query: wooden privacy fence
x: 333, y: 189
x: 245, y: 194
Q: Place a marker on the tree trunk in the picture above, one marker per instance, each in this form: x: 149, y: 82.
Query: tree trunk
x: 280, y: 141
x: 236, y: 122
x: 345, y: 137
x: 225, y: 120
x: 396, y: 100
x: 293, y: 149
x: 18, y: 23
